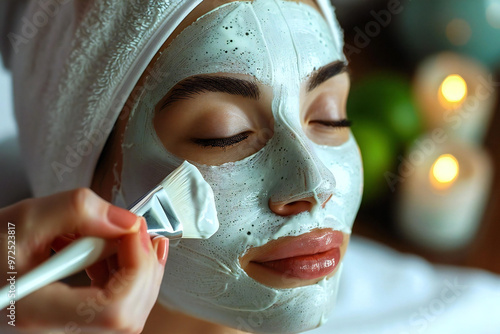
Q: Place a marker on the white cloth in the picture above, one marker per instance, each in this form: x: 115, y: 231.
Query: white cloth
x: 385, y: 292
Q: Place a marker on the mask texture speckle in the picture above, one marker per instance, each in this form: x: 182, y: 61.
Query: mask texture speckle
x: 280, y: 43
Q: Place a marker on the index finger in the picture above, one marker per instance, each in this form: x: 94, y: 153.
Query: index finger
x: 78, y: 211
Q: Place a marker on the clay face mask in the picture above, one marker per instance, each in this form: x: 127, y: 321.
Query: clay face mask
x: 280, y: 44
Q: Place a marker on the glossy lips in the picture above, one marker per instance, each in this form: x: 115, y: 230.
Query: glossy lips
x: 309, y: 256
x: 307, y: 266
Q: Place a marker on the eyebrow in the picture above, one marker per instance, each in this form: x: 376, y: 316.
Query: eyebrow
x: 199, y: 84
x: 326, y: 72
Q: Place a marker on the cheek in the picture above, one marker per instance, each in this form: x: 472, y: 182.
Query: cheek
x: 345, y: 164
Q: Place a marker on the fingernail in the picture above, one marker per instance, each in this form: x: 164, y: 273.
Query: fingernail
x: 145, y: 239
x: 162, y: 250
x: 121, y: 217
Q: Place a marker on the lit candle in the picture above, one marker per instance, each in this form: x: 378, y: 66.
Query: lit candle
x: 443, y: 195
x: 456, y: 94
x: 444, y: 171
x: 452, y: 92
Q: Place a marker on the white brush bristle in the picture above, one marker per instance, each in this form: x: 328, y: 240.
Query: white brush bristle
x: 193, y: 202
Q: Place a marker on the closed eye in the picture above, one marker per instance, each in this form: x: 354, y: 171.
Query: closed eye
x: 222, y: 142
x: 344, y: 123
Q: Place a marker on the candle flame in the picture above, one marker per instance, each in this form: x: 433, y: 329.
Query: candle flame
x: 444, y: 171
x: 454, y: 89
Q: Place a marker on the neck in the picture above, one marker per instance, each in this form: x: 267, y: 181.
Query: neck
x: 163, y: 321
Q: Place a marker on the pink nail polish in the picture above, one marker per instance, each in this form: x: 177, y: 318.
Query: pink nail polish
x: 145, y: 239
x: 162, y: 251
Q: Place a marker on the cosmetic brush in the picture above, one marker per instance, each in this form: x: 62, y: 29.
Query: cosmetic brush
x: 181, y: 206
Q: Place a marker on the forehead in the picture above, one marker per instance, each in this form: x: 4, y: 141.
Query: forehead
x: 264, y: 38
x: 208, y: 5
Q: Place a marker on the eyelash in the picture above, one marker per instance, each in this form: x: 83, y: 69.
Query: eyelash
x: 343, y: 123
x: 222, y: 142
x: 230, y: 141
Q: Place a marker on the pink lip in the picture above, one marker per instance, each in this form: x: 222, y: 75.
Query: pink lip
x: 316, y: 242
x: 306, y: 267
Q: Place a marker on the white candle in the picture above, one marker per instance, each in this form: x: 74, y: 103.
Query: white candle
x: 441, y: 203
x: 457, y: 94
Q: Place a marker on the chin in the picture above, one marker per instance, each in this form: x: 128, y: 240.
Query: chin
x: 269, y: 310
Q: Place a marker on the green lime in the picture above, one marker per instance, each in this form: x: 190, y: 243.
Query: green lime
x: 387, y: 100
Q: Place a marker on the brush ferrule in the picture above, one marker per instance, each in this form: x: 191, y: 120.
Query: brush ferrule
x: 159, y: 213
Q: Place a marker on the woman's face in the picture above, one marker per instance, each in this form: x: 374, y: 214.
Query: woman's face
x: 253, y: 94
x: 220, y: 118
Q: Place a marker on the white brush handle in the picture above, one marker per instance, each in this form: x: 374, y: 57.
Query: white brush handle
x: 79, y: 255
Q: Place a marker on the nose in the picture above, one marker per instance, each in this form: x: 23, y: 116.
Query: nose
x: 301, y: 181
x: 294, y: 207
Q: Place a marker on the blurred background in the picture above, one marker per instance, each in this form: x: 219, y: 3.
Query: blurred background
x: 425, y: 109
